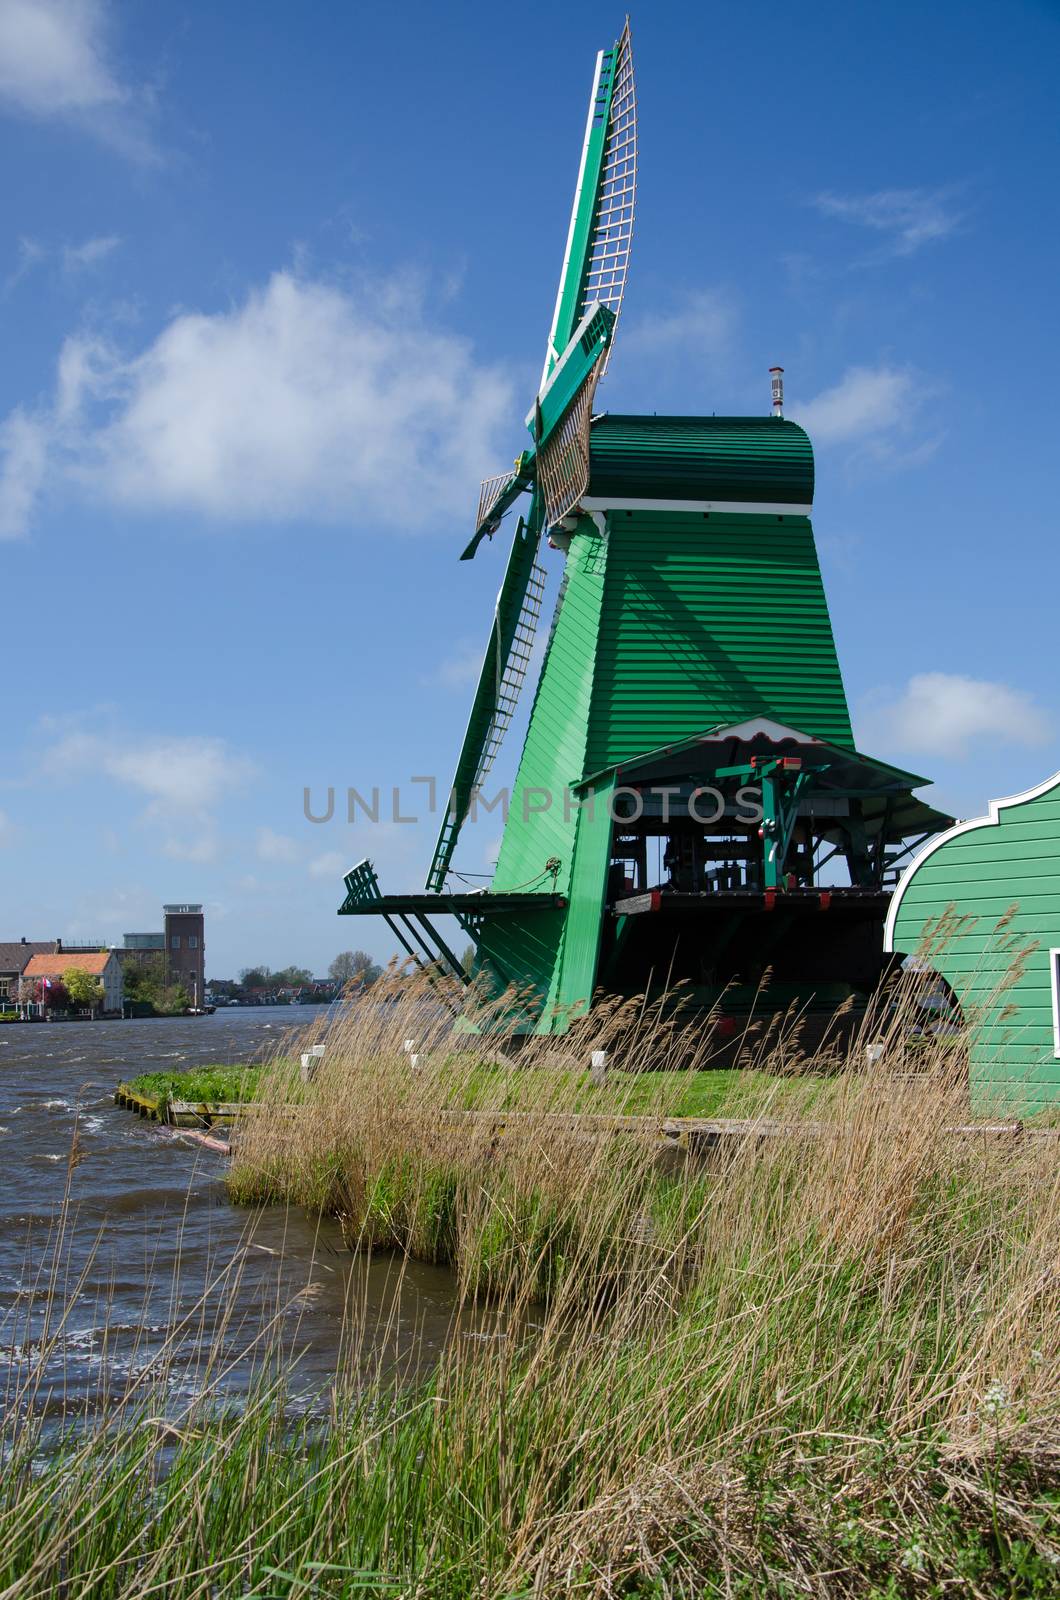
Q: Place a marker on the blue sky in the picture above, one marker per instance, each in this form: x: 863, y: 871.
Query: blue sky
x: 274, y: 288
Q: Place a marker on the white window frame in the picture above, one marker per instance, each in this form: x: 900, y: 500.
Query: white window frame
x: 1054, y: 980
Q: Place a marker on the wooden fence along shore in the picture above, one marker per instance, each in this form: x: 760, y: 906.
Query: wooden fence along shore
x: 203, y: 1119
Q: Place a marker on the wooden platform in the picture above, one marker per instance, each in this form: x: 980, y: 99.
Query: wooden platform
x: 179, y: 1113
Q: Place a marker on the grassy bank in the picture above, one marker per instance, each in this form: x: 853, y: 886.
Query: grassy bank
x: 822, y: 1365
x: 484, y: 1159
x: 210, y: 1085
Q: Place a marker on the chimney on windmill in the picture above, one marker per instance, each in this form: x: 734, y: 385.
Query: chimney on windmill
x: 776, y: 375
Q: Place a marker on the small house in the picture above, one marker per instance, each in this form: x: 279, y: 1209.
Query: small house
x: 15, y: 956
x: 102, y: 964
x: 980, y: 904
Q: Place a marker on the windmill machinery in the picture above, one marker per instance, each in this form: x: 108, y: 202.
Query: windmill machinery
x: 555, y: 470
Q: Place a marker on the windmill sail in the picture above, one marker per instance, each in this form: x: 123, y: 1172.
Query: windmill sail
x: 503, y: 673
x: 596, y: 259
x: 496, y: 495
x: 562, y: 414
x: 588, y: 301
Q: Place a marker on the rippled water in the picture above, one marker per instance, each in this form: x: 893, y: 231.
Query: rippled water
x: 151, y: 1242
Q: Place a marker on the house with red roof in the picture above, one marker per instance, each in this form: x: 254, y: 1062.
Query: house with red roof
x: 102, y: 964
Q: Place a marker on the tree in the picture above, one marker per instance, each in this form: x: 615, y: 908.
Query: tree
x: 353, y: 966
x: 85, y: 991
x: 291, y: 978
x: 467, y: 957
x: 145, y: 980
x: 53, y: 994
x: 174, y: 1001
x: 257, y: 978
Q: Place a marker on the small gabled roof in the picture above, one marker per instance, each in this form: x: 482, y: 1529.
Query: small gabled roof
x: 885, y: 792
x: 764, y: 732
x: 14, y: 954
x: 53, y: 966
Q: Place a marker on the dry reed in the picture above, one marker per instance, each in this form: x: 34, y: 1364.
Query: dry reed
x: 818, y: 1356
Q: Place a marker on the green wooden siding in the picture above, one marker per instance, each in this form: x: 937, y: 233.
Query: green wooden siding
x: 575, y: 973
x: 710, y: 619
x: 528, y: 950
x: 672, y: 623
x: 982, y: 871
x: 701, y: 458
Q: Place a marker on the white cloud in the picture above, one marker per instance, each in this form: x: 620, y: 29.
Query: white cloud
x: 329, y: 865
x: 276, y: 846
x: 180, y: 776
x: 55, y: 62
x: 24, y: 441
x: 71, y: 258
x: 911, y: 217
x: 946, y: 713
x: 702, y: 322
x: 90, y: 253
x: 30, y: 255
x: 201, y: 847
x: 52, y: 58
x: 866, y: 400
x: 306, y: 401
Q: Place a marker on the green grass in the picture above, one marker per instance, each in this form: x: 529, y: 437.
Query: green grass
x: 730, y: 1092
x: 210, y: 1085
x: 390, y: 1501
x: 830, y: 1374
x: 723, y: 1093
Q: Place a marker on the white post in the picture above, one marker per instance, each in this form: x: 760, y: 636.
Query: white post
x: 311, y: 1060
x: 598, y: 1066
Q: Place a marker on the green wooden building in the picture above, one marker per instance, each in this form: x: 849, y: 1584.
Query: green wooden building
x: 981, y: 905
x: 690, y: 804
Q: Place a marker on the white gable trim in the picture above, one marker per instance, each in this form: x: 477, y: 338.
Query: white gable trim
x: 1054, y: 984
x: 991, y: 820
x: 754, y: 727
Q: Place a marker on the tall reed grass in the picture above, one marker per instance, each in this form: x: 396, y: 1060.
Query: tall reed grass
x: 815, y: 1359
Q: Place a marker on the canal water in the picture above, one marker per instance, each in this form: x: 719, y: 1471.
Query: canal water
x: 148, y: 1269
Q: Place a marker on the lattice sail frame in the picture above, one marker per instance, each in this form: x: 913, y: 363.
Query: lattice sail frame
x: 563, y: 463
x: 489, y: 493
x: 595, y: 267
x: 612, y: 231
x: 600, y: 236
x: 510, y: 674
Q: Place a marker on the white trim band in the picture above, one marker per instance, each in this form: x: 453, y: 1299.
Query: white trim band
x: 749, y: 508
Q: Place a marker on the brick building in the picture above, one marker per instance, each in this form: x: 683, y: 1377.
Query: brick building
x: 185, y: 949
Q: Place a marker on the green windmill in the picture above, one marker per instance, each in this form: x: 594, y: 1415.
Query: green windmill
x: 689, y: 801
